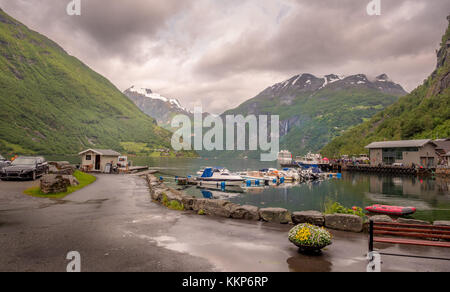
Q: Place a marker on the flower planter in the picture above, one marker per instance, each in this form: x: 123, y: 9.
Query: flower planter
x: 310, y: 238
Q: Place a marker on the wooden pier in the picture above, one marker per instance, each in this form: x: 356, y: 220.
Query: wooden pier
x: 387, y: 169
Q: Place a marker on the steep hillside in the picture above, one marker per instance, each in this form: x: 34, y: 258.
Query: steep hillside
x: 425, y: 113
x: 51, y: 103
x: 315, y: 110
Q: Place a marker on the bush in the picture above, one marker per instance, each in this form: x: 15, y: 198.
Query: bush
x: 336, y: 208
x: 311, y: 237
x: 173, y: 205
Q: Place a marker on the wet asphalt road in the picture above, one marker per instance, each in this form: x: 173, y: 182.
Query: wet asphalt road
x: 115, y: 227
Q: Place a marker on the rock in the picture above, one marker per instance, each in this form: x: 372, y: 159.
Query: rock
x: 188, y: 202
x: 61, y: 167
x: 152, y: 179
x: 412, y: 221
x: 245, y: 212
x: 52, y: 169
x: 217, y: 208
x: 173, y: 196
x: 53, y: 184
x: 157, y: 194
x: 344, y: 222
x: 276, y: 215
x: 72, y: 181
x: 382, y: 219
x: 199, y: 204
x: 441, y: 223
x: 311, y: 217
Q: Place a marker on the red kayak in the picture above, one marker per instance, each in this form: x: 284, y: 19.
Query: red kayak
x: 391, y: 210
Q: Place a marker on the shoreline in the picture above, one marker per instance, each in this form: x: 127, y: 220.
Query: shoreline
x: 178, y: 200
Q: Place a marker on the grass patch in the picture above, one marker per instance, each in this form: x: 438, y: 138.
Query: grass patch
x: 83, y: 178
x: 172, y: 205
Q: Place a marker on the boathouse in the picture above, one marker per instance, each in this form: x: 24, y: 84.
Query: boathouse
x: 404, y: 153
x: 96, y: 160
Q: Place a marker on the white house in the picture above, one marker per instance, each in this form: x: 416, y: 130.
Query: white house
x: 96, y: 159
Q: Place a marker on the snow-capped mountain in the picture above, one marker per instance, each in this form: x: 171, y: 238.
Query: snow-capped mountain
x: 310, y: 83
x: 161, y: 108
x: 314, y: 110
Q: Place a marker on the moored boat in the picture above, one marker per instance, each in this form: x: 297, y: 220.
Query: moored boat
x: 391, y: 210
x: 285, y: 157
x: 309, y: 161
x: 219, y: 176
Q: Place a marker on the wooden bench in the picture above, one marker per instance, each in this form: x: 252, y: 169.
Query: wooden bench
x: 408, y: 234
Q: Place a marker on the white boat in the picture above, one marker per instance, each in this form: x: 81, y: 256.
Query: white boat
x: 310, y: 160
x: 285, y: 157
x: 290, y: 175
x: 219, y: 177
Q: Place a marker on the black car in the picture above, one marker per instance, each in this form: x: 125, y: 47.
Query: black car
x: 25, y: 167
x: 3, y: 162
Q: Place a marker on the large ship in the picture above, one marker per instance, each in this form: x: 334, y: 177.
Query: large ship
x: 310, y: 160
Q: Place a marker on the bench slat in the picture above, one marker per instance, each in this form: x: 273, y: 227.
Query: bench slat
x: 411, y: 234
x: 376, y: 224
x: 411, y: 242
x: 414, y: 230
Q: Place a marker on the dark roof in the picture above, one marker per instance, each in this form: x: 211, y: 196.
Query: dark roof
x: 104, y: 152
x: 443, y: 144
x: 398, y: 144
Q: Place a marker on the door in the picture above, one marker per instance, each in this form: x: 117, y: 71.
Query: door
x: 97, y: 162
x: 430, y: 162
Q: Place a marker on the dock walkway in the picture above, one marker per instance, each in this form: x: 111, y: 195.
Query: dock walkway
x: 386, y: 169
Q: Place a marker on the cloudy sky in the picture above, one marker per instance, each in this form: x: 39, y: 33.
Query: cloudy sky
x: 218, y: 53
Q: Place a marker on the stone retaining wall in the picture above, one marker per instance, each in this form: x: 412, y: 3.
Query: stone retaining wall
x: 161, y: 193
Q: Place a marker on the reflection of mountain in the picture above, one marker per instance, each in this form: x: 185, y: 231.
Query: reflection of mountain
x: 398, y: 201
x: 408, y: 191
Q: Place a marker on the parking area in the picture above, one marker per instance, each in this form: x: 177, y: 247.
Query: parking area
x: 115, y: 227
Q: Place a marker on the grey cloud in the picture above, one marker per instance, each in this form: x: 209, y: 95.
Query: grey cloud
x: 228, y: 51
x: 331, y: 33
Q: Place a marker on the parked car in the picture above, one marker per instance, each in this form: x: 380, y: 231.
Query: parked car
x: 25, y: 167
x: 3, y: 162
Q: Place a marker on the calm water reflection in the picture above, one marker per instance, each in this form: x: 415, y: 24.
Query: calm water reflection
x: 431, y: 197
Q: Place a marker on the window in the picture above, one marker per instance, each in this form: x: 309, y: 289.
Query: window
x: 88, y: 157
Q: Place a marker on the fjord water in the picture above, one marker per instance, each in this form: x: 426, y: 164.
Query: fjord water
x: 430, y: 196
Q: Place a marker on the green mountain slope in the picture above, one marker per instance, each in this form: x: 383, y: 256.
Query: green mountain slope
x: 51, y: 103
x: 425, y: 113
x: 314, y: 110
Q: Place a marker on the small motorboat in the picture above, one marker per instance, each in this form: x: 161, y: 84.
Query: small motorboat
x: 219, y: 177
x: 391, y: 210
